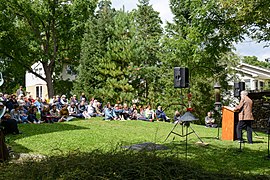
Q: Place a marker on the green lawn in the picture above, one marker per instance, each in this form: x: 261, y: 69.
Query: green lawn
x: 85, y: 139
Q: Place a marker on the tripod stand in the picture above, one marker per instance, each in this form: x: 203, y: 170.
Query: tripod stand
x: 185, y: 121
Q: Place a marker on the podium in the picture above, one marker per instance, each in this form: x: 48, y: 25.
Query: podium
x: 229, y: 123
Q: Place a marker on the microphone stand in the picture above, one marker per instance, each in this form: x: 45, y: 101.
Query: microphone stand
x: 268, y: 134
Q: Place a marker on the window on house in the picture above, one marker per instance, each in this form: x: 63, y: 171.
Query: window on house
x: 247, y: 84
x: 256, y: 84
x: 261, y: 85
x: 39, y: 91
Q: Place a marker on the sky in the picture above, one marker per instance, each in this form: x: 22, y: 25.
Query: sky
x: 246, y: 48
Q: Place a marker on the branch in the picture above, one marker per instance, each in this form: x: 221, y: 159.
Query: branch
x: 25, y: 66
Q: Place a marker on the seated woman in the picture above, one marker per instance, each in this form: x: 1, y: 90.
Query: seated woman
x: 117, y: 111
x: 45, y: 114
x: 109, y: 113
x: 161, y: 114
x: 64, y: 114
x: 146, y: 114
x: 91, y: 110
x: 82, y: 108
x: 210, y: 121
x: 125, y: 112
x: 23, y: 114
x: 32, y: 118
x: 99, y: 109
x: 15, y: 113
x: 176, y: 117
x: 134, y: 112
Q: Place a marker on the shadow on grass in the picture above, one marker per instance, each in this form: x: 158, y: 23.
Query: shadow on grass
x: 118, y: 164
x: 228, y: 159
x: 38, y: 129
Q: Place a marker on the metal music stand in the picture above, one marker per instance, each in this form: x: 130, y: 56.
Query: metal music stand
x: 185, y: 121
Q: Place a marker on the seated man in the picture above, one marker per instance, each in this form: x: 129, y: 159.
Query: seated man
x: 10, y: 125
x: 55, y: 113
x: 73, y: 111
x: 210, y: 121
x: 161, y: 114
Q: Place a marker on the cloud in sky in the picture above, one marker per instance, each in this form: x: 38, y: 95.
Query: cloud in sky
x: 162, y: 6
x: 247, y: 48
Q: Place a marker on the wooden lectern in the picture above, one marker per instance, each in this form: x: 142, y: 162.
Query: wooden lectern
x: 229, y: 123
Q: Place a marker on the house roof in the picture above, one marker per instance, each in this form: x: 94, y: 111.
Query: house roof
x: 254, y: 71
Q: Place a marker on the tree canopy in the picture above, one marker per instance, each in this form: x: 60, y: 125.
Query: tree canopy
x: 129, y: 56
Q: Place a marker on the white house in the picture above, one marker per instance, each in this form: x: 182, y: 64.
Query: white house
x: 255, y: 78
x: 38, y: 87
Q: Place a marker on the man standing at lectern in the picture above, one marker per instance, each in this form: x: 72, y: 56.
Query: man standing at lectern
x: 245, y: 117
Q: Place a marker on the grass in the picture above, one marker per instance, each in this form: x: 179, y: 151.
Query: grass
x: 92, y: 148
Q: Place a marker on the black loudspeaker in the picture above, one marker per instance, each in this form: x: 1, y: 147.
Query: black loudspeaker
x: 181, y: 77
x: 238, y: 87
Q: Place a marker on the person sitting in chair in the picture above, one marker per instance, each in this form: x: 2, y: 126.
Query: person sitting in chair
x: 210, y: 121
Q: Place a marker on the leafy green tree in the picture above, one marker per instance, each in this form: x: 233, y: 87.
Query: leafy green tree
x: 120, y: 54
x: 253, y: 60
x: 107, y: 51
x: 48, y: 32
x: 199, y: 37
x: 251, y: 16
x: 149, y: 32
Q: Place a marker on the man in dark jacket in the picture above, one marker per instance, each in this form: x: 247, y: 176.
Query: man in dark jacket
x: 245, y: 116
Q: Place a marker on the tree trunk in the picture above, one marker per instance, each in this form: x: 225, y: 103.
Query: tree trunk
x: 49, y: 80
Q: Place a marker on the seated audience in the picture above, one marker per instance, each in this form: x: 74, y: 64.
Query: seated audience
x: 209, y: 120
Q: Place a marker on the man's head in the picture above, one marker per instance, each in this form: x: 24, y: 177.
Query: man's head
x: 244, y: 93
x: 209, y: 114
